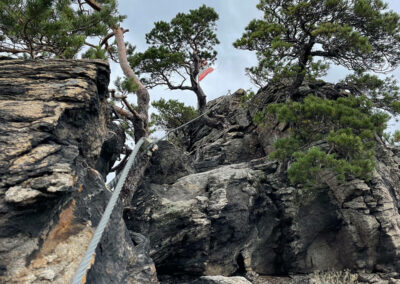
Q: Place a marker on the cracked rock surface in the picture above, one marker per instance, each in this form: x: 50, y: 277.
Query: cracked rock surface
x: 56, y: 144
x: 220, y: 207
x: 213, y: 210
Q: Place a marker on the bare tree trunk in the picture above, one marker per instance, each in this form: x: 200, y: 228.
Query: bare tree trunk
x: 202, y: 103
x: 303, y: 60
x: 201, y: 99
x: 138, y: 117
x: 141, y: 117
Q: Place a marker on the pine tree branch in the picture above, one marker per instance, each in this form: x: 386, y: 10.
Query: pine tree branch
x: 92, y: 3
x: 107, y: 37
x: 131, y: 109
x: 139, y: 118
x: 123, y: 112
x: 174, y: 87
x: 91, y: 45
x: 143, y: 97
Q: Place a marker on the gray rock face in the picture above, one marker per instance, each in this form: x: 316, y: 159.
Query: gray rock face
x: 56, y: 145
x: 214, y: 209
x: 202, y: 220
x: 234, y: 212
x: 237, y: 142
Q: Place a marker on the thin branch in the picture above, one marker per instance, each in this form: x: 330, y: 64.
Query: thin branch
x: 119, y: 97
x: 123, y: 112
x: 110, y: 35
x: 132, y: 114
x: 328, y: 54
x: 91, y: 45
x: 120, y: 166
x: 92, y: 3
x: 174, y: 87
x: 131, y: 109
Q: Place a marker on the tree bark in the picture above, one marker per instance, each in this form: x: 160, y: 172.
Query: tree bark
x: 303, y: 60
x: 201, y: 98
x: 140, y: 117
x: 301, y: 74
x: 202, y: 103
x: 143, y: 98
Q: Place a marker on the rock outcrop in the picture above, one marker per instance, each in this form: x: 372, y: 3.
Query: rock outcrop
x: 214, y: 209
x: 57, y: 143
x: 223, y: 208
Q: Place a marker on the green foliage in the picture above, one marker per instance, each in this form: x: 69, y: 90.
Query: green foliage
x: 248, y: 96
x: 95, y: 53
x: 358, y: 34
x: 384, y: 93
x: 344, y: 128
x: 309, y: 165
x: 50, y: 28
x: 392, y: 138
x: 125, y: 85
x: 172, y: 114
x: 129, y: 85
x: 176, y: 49
x: 396, y: 136
x: 127, y: 128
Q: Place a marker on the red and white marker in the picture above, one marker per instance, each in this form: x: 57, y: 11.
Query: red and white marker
x: 204, y: 70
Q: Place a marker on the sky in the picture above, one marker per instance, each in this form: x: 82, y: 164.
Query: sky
x: 234, y: 16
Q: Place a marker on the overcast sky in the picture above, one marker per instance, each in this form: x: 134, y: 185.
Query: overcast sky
x: 234, y: 15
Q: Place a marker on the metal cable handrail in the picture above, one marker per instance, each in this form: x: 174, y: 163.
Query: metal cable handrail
x: 118, y: 182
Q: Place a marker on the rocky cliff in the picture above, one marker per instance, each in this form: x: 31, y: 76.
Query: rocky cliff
x: 222, y: 208
x: 57, y: 143
x: 211, y: 208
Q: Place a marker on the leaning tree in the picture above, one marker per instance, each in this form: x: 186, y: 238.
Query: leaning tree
x: 357, y: 34
x: 178, y: 50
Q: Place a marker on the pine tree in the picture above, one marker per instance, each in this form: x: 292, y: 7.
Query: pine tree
x: 171, y: 114
x: 177, y: 51
x: 293, y: 34
x: 52, y: 28
x: 328, y: 136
